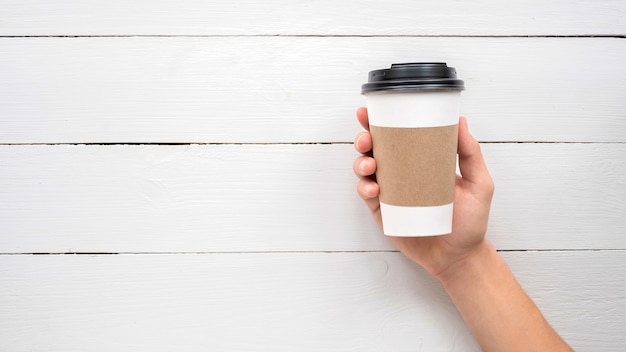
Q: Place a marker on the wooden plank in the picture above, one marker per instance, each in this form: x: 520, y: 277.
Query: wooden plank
x: 285, y: 301
x: 561, y: 194
x: 232, y: 198
x: 77, y: 90
x: 301, y: 17
x: 593, y: 280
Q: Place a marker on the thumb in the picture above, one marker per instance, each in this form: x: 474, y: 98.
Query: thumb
x: 471, y: 162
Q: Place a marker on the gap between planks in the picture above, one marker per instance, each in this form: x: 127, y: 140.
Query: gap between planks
x: 291, y: 252
x: 271, y: 143
x: 619, y: 36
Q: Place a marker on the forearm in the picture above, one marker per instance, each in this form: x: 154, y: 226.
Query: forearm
x: 496, y: 309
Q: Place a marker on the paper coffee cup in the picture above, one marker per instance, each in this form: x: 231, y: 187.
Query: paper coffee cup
x: 413, y: 113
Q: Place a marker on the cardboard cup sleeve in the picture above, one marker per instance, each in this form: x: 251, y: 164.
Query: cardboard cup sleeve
x: 415, y: 166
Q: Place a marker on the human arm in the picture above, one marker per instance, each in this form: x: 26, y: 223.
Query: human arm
x: 494, y: 306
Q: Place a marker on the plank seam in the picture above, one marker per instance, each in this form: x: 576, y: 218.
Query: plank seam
x: 176, y: 143
x: 291, y: 252
x: 265, y: 143
x: 618, y: 36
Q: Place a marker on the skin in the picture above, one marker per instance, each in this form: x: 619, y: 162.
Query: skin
x: 494, y: 306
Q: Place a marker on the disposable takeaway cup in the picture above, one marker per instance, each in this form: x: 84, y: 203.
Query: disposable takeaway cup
x: 413, y: 113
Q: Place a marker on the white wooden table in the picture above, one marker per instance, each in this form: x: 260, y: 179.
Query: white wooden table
x: 176, y: 175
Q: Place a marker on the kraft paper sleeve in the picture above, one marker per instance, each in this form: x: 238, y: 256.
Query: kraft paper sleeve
x: 415, y: 166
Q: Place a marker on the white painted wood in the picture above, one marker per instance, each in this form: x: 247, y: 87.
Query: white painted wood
x: 285, y: 302
x: 302, y: 17
x: 216, y: 198
x: 563, y: 283
x: 277, y: 89
x: 281, y: 254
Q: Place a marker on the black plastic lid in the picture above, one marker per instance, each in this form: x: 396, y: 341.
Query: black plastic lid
x: 414, y: 76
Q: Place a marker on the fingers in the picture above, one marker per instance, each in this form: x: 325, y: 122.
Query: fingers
x: 361, y: 115
x: 368, y: 190
x: 364, y: 166
x: 363, y: 142
x: 471, y: 162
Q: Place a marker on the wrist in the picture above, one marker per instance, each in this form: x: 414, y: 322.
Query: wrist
x: 470, y: 266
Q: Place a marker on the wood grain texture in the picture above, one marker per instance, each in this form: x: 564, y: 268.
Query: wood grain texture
x: 254, y: 247
x: 302, y: 17
x: 285, y: 302
x: 225, y: 198
x: 277, y: 89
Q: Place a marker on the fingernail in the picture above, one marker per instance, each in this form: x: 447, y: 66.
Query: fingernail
x: 362, y: 166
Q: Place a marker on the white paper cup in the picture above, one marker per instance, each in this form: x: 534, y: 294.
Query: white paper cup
x: 414, y: 127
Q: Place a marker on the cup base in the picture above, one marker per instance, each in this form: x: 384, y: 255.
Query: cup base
x: 403, y: 221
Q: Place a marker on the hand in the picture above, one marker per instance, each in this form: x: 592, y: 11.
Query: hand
x: 472, y: 201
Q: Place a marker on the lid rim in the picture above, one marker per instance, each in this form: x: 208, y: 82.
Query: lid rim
x: 456, y: 85
x: 415, y: 87
x: 414, y: 76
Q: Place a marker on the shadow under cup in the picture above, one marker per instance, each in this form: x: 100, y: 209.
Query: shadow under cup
x: 414, y: 135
